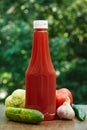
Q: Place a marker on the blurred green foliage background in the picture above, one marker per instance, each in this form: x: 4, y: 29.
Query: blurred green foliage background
x: 67, y: 40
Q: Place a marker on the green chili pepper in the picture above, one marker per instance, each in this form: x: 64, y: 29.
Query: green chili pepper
x: 79, y: 112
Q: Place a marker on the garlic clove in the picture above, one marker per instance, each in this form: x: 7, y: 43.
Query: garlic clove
x: 65, y: 111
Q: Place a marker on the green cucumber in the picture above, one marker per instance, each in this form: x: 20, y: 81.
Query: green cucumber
x: 79, y: 112
x: 24, y: 115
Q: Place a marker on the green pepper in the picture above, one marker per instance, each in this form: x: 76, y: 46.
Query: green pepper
x: 79, y: 112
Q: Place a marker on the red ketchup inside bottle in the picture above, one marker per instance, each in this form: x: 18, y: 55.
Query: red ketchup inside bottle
x: 40, y: 74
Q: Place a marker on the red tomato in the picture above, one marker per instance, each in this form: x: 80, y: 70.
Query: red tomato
x: 61, y: 96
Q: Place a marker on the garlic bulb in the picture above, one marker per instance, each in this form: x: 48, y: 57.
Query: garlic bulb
x: 65, y: 111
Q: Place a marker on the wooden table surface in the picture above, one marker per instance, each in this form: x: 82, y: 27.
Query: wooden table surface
x: 5, y: 124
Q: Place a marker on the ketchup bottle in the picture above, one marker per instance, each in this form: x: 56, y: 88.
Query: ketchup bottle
x: 40, y: 74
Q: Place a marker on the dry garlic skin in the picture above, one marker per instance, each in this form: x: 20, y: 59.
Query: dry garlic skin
x: 65, y: 111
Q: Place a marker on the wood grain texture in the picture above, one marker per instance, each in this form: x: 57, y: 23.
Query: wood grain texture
x: 5, y: 124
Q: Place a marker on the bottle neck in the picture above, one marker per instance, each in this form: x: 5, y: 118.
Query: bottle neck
x: 40, y: 45
x: 40, y: 58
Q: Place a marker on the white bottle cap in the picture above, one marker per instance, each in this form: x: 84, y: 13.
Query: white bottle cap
x: 40, y: 24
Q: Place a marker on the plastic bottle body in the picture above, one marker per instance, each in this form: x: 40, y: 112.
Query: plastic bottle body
x: 41, y: 77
